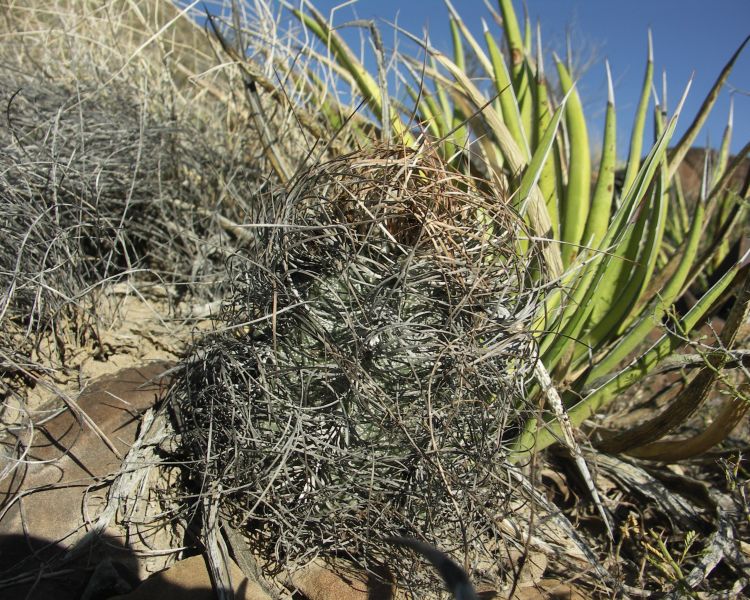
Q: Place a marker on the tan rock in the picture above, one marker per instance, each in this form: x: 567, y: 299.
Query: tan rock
x: 189, y: 579
x: 317, y: 581
x: 55, y: 493
x: 550, y: 589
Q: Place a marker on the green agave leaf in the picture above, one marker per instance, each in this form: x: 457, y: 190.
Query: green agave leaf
x: 526, y: 31
x: 536, y: 209
x: 612, y: 325
x: 651, y: 319
x: 614, y: 322
x: 459, y: 25
x: 660, y: 115
x: 732, y: 167
x: 725, y: 203
x: 575, y: 201
x: 366, y: 85
x: 639, y: 123
x: 611, y: 286
x: 722, y: 231
x: 452, y: 143
x: 636, y: 440
x: 534, y: 169
x: 679, y: 213
x: 503, y: 138
x: 506, y: 94
x: 662, y: 348
x: 460, y: 134
x: 427, y: 107
x: 526, y: 94
x: 601, y: 203
x: 492, y: 157
x: 512, y: 36
x: 542, y: 118
x: 459, y: 56
x: 726, y: 140
x: 518, y: 50
x: 596, y: 280
x: 617, y: 288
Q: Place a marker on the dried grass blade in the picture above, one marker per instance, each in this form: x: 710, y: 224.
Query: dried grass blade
x: 217, y: 554
x: 554, y: 401
x: 678, y: 154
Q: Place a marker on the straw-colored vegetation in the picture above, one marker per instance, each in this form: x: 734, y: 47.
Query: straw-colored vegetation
x: 430, y: 304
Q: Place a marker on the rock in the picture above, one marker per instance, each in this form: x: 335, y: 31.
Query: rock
x: 318, y: 581
x: 50, y: 500
x: 189, y: 580
x: 550, y: 589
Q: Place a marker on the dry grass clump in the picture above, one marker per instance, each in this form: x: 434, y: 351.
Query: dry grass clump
x: 113, y: 163
x: 370, y: 365
x: 76, y: 192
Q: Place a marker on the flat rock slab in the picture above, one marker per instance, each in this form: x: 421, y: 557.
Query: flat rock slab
x: 317, y: 581
x: 49, y: 501
x: 189, y: 579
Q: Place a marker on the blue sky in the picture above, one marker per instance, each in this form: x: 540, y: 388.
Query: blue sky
x: 689, y: 35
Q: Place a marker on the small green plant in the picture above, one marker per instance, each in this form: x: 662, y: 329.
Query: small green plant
x: 668, y: 564
x: 738, y: 484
